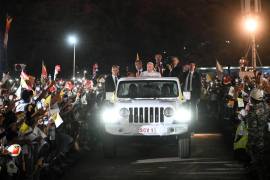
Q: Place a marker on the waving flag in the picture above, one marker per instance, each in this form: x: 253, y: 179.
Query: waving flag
x: 219, y: 70
x: 44, y: 74
x: 27, y: 81
x: 56, y: 118
x: 8, y: 24
x: 88, y: 84
x: 25, y: 85
x: 24, y: 76
x: 57, y: 69
x: 48, y: 100
x: 137, y: 57
x: 69, y: 85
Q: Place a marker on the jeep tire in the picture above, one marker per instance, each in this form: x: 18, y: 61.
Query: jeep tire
x: 184, y: 146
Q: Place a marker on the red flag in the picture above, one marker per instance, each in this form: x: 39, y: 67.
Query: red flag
x: 69, y: 85
x: 44, y: 73
x: 8, y: 23
x: 57, y: 69
x: 88, y: 84
x: 24, y: 76
x: 52, y: 89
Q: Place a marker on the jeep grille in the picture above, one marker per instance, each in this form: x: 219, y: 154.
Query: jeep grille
x: 146, y: 115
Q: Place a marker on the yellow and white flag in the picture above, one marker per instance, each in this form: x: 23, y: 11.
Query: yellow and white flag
x: 137, y: 57
x: 48, y: 100
x: 57, y: 119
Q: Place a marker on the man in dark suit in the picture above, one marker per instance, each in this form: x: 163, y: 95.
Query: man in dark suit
x: 177, y: 70
x: 138, y: 68
x: 192, y: 82
x: 159, y: 66
x: 112, y: 79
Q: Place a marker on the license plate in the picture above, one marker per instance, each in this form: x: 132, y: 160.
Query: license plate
x: 147, y: 130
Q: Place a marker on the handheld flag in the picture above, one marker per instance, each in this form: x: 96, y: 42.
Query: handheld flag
x: 57, y: 69
x: 44, y: 74
x: 137, y: 57
x: 48, y: 100
x: 8, y: 24
x: 219, y: 70
x: 24, y: 76
x: 57, y: 119
x: 69, y: 85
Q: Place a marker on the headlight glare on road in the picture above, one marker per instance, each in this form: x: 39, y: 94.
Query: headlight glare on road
x: 110, y: 116
x: 168, y: 112
x: 183, y: 115
x: 124, y: 112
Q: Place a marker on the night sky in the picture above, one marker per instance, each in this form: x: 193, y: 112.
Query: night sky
x: 113, y: 31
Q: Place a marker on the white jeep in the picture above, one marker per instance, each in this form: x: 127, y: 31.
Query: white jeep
x: 149, y: 107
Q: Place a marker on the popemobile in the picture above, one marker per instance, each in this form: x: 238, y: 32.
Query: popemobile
x: 149, y: 108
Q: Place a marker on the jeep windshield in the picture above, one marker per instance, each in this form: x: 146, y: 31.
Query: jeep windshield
x: 147, y: 89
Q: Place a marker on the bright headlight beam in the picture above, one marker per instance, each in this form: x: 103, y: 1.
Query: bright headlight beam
x: 110, y: 116
x: 183, y: 115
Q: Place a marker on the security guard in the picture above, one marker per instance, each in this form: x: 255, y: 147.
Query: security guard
x: 257, y: 121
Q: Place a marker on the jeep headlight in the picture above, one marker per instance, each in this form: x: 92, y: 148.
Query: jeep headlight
x: 124, y: 112
x: 183, y: 115
x: 110, y: 116
x: 168, y: 112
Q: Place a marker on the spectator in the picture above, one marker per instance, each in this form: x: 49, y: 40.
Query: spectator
x: 95, y: 73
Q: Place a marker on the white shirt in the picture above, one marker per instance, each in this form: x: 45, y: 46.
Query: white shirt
x: 188, y: 83
x: 150, y: 74
x: 115, y: 79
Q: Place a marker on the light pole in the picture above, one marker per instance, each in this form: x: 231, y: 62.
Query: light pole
x: 251, y: 27
x: 72, y: 39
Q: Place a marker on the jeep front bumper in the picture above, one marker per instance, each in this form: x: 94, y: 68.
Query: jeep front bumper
x: 146, y: 129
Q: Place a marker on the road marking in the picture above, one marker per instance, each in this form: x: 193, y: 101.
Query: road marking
x: 233, y: 165
x: 143, y: 171
x: 212, y: 173
x: 185, y: 161
x: 170, y: 159
x: 225, y: 169
x: 207, y: 162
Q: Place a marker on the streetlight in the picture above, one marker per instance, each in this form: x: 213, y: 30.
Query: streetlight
x: 72, y: 39
x: 251, y: 26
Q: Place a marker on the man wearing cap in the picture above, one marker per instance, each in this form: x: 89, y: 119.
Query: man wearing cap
x: 257, y: 121
x: 150, y: 72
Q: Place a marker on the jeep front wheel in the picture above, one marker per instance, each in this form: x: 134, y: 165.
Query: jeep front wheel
x: 184, y: 146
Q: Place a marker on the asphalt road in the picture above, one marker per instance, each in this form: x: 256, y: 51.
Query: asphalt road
x: 211, y: 159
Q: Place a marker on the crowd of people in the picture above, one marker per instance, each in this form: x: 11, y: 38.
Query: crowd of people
x: 49, y: 119
x: 43, y: 124
x: 241, y: 103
